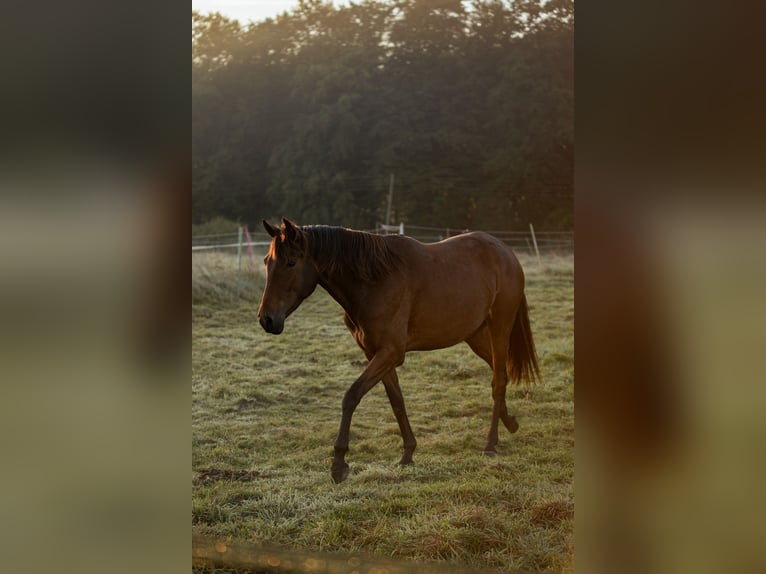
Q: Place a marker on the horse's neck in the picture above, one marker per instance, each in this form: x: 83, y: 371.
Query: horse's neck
x: 342, y: 290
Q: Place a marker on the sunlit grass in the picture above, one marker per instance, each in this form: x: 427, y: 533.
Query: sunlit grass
x: 267, y: 409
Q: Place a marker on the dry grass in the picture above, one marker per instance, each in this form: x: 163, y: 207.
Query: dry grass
x: 266, y: 411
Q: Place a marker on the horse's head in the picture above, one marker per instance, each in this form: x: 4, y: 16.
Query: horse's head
x: 290, y: 275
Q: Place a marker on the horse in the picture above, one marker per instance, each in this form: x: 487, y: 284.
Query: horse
x: 400, y: 295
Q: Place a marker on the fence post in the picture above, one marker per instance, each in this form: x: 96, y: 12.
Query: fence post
x: 239, y: 248
x: 534, y: 242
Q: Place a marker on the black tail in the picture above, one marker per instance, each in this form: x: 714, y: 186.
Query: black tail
x: 522, y: 357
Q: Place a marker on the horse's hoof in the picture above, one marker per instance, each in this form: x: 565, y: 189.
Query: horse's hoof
x: 511, y: 424
x: 339, y: 474
x: 404, y: 463
x: 490, y: 453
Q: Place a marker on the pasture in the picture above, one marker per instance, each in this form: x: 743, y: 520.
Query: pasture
x: 265, y: 414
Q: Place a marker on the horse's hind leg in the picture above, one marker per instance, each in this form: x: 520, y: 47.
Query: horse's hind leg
x: 395, y: 397
x: 491, y: 344
x: 480, y: 344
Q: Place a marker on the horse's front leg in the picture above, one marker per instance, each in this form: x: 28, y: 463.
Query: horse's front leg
x: 381, y: 363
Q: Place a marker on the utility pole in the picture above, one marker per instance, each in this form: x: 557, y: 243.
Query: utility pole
x: 390, y: 199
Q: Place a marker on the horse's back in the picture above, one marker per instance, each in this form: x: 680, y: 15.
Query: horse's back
x: 453, y: 285
x: 470, y: 256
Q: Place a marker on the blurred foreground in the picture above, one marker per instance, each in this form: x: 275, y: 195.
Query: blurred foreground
x: 93, y: 330
x: 670, y: 314
x: 94, y: 344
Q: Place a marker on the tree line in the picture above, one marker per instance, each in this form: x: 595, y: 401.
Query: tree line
x: 468, y: 103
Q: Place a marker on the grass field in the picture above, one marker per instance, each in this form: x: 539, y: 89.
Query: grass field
x: 265, y: 413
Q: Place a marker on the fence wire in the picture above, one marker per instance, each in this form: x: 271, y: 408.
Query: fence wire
x: 547, y: 241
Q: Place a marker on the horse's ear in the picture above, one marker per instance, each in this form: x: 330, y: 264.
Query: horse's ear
x: 273, y: 231
x: 291, y: 229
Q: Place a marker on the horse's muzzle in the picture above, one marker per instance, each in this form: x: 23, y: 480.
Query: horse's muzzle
x: 273, y: 325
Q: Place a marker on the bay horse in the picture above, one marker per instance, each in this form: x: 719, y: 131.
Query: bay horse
x: 401, y: 295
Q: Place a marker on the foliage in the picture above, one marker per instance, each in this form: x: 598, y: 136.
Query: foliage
x: 469, y: 104
x: 216, y: 226
x: 265, y: 411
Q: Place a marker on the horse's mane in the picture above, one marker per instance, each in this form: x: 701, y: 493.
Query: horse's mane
x: 362, y: 255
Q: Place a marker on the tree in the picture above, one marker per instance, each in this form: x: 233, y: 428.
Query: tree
x: 307, y: 114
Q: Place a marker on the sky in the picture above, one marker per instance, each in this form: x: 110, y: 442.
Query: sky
x: 245, y: 10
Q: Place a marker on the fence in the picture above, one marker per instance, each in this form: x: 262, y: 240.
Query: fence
x: 530, y: 241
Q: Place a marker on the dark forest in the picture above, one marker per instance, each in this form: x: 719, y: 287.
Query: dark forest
x: 468, y: 104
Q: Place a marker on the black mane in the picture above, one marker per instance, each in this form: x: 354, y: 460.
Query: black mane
x: 363, y: 255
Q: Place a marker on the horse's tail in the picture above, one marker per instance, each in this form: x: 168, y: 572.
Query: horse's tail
x: 522, y: 357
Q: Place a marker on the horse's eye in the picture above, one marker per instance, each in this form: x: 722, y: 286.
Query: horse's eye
x: 291, y: 263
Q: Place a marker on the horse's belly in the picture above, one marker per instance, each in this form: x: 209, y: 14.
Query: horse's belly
x: 445, y: 319
x: 428, y: 343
